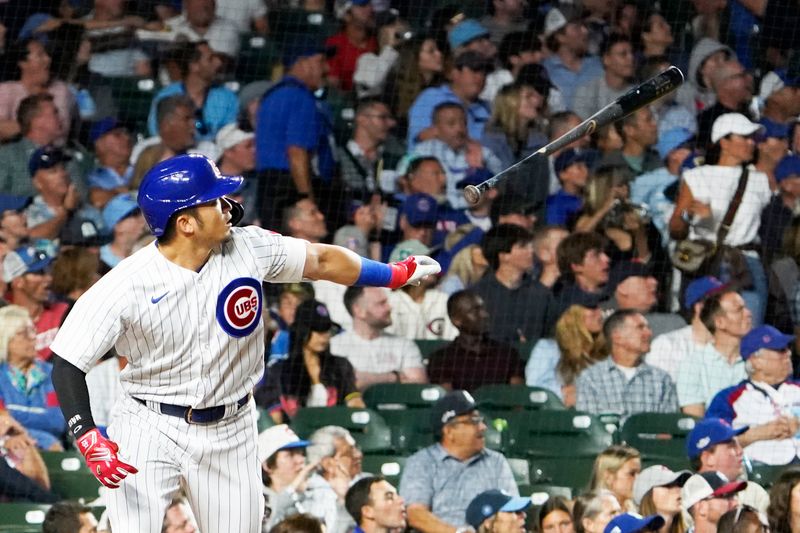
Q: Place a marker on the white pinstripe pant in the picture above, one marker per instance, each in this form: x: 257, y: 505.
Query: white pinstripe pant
x: 216, y: 463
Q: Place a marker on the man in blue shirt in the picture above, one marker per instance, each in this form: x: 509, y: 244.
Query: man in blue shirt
x: 216, y: 105
x: 572, y: 172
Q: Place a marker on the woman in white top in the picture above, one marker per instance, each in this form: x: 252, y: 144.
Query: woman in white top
x: 707, y: 191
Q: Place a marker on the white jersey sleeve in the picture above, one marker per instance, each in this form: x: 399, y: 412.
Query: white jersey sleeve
x: 280, y: 259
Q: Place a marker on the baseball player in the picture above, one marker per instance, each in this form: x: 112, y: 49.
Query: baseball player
x: 186, y: 312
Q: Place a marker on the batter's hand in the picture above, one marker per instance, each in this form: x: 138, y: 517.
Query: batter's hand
x: 101, y: 457
x: 411, y: 270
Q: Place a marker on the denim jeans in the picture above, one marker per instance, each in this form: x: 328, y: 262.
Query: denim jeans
x: 756, y: 296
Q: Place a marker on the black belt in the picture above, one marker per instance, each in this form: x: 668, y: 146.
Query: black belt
x: 206, y: 415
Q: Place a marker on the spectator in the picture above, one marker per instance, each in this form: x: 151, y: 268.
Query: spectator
x: 376, y: 356
x: 559, y: 124
x: 777, y: 216
x: 702, y: 203
x: 249, y: 16
x: 472, y: 359
x: 112, y: 175
x: 771, y: 147
x: 733, y: 88
x: 215, y: 105
x: 372, y: 68
x: 124, y: 219
x: 520, y: 309
x: 623, y: 383
x: 655, y: 36
x: 27, y: 271
x: 199, y: 22
x: 592, y: 511
x: 504, y: 17
x: 39, y: 125
x: 706, y: 57
x: 667, y: 351
x: 56, y: 197
x: 176, y: 120
x: 706, y: 497
x: 424, y: 174
x: 354, y: 39
x: 179, y: 517
x: 615, y: 469
x: 494, y: 511
x: 579, y: 343
x: 718, y: 364
x: 517, y: 50
x: 763, y: 402
x: 23, y: 474
x: 555, y: 516
x: 634, y: 287
x: 440, y: 481
x: 651, y: 188
x: 113, y: 42
x: 375, y: 506
x: 26, y: 390
x: 515, y: 211
x: 569, y: 66
x: 470, y: 35
x: 545, y: 245
x: 467, y: 80
x: 361, y: 234
x: 573, y: 174
x: 292, y: 132
x: 669, y: 113
x: 713, y: 445
x: 304, y: 220
x: 14, y: 224
x: 619, y: 67
x: 779, y: 95
x: 68, y: 516
x: 743, y: 518
x: 420, y: 65
x: 584, y: 270
x: 639, y: 132
x: 466, y: 269
x: 31, y: 59
x: 237, y: 149
x: 310, y: 376
x: 74, y: 271
x: 657, y: 490
x: 783, y: 509
x: 299, y: 523
x: 282, y: 317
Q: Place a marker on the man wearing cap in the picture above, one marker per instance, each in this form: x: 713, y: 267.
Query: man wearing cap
x: 375, y: 506
x: 27, y: 272
x: 200, y: 66
x: 765, y: 401
x: 293, y: 150
x: 706, y: 497
x: 467, y: 80
x: 418, y: 217
x: 237, y: 149
x: 616, y: 53
x: 124, y: 220
x: 668, y: 350
x: 439, y: 482
x: 634, y: 523
x: 494, y: 511
x: 778, y: 214
x: 355, y: 38
x: 199, y: 22
x: 780, y: 93
x: 573, y: 174
x: 56, y: 198
x: 623, y: 383
x: 650, y: 188
x: 460, y: 153
x: 733, y: 87
x: 113, y: 172
x: 713, y: 447
x: 469, y: 34
x: 376, y: 355
x: 569, y: 66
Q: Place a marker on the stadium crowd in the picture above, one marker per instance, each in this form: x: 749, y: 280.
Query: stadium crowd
x: 651, y: 267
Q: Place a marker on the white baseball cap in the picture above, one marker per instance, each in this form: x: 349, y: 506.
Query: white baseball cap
x: 231, y: 135
x: 277, y: 438
x: 657, y: 476
x: 733, y: 123
x: 554, y: 21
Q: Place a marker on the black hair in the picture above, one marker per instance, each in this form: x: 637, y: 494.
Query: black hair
x: 171, y: 230
x: 417, y: 162
x: 612, y: 40
x: 455, y: 299
x: 64, y: 517
x: 186, y: 54
x: 515, y: 43
x: 167, y: 106
x: 712, y: 308
x: 444, y: 106
x: 29, y: 108
x: 351, y: 295
x: 501, y: 239
x: 358, y: 496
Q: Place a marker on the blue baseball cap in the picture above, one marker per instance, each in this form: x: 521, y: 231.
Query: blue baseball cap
x: 700, y: 288
x: 12, y: 202
x: 672, y: 140
x: 24, y: 260
x: 465, y: 31
x: 774, y: 129
x: 303, y: 46
x: 474, y: 176
x: 101, y: 127
x: 633, y: 523
x: 420, y: 209
x: 490, y: 502
x: 47, y: 156
x: 709, y: 432
x: 568, y: 157
x: 787, y: 167
x: 763, y: 337
x: 118, y: 208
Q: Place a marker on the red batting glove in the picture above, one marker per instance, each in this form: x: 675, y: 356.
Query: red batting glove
x: 412, y: 269
x: 102, y: 460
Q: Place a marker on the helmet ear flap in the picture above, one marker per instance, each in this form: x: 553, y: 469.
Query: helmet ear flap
x: 237, y: 210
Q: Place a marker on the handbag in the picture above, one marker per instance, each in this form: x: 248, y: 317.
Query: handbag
x: 702, y: 257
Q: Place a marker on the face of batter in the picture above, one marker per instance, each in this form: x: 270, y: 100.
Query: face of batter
x: 212, y: 223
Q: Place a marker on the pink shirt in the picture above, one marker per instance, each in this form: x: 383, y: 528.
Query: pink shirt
x: 13, y: 92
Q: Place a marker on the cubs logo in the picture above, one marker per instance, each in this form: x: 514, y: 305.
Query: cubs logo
x: 239, y: 307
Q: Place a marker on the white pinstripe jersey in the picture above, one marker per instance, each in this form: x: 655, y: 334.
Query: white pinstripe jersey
x: 191, y: 338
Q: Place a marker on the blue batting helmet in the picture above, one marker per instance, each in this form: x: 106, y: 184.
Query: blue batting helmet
x: 178, y: 183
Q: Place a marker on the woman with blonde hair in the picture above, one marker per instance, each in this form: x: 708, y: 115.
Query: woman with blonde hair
x: 579, y: 343
x: 615, y: 469
x: 466, y: 268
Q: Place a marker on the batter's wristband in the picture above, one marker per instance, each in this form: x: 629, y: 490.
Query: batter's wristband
x: 376, y: 274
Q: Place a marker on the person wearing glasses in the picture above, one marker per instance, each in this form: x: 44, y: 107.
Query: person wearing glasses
x: 440, y: 481
x: 765, y: 401
x: 706, y: 497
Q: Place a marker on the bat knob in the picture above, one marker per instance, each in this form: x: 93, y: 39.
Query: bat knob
x: 472, y: 194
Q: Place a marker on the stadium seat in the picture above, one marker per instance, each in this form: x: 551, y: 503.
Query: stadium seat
x: 659, y: 437
x: 540, y: 493
x: 765, y: 475
x: 388, y: 466
x: 498, y: 400
x: 427, y: 347
x: 521, y: 470
x: 257, y: 56
x: 134, y: 97
x: 368, y: 428
x: 572, y: 472
x: 411, y: 429
x: 69, y: 476
x: 22, y: 516
x: 264, y: 420
x: 400, y: 396
x: 548, y: 433
x: 285, y: 23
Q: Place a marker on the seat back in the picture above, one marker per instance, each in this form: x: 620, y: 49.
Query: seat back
x: 659, y: 437
x: 547, y: 433
x: 70, y: 477
x: 499, y: 399
x: 22, y: 516
x: 397, y: 396
x: 368, y: 428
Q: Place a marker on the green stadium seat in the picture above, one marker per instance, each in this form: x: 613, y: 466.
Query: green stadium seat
x: 368, y: 428
x: 500, y: 399
x: 287, y: 23
x: 133, y: 97
x: 427, y: 347
x: 411, y: 429
x: 548, y: 433
x: 659, y: 437
x: 521, y: 470
x: 264, y: 420
x: 573, y: 472
x: 765, y: 475
x: 69, y: 476
x: 540, y: 493
x: 257, y: 56
x: 400, y: 396
x: 22, y: 516
x: 388, y: 466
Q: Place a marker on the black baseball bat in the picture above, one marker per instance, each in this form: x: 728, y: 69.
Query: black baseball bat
x: 638, y: 97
